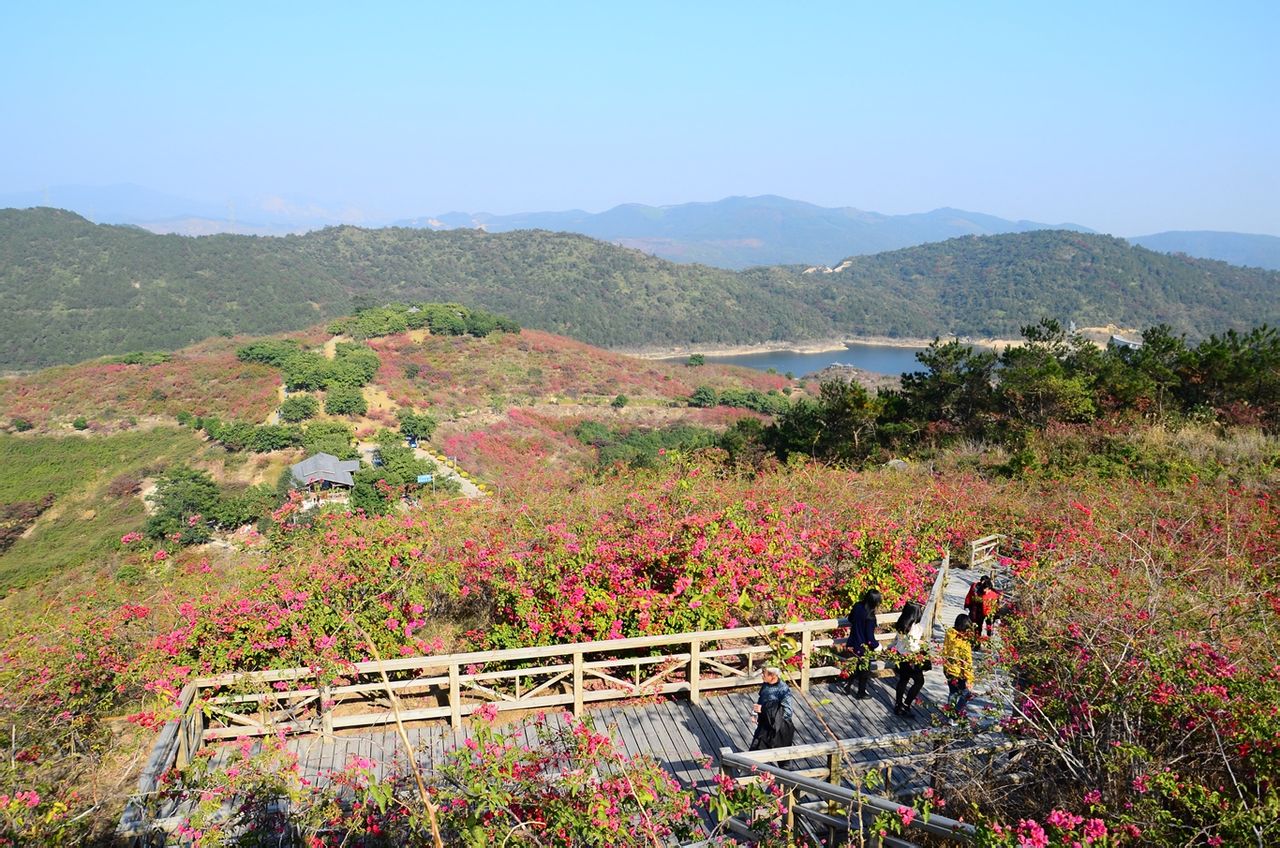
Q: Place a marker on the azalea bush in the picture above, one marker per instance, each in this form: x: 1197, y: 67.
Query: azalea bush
x: 1141, y: 635
x: 1144, y: 648
x: 575, y: 787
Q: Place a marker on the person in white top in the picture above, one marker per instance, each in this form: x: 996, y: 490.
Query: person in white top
x: 912, y: 661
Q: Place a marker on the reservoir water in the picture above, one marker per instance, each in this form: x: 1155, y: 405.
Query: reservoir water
x: 882, y: 359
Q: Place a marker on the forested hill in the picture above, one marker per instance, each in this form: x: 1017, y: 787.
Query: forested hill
x: 73, y: 290
x: 993, y: 285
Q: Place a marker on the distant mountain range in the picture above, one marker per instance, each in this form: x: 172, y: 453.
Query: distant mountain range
x: 74, y: 290
x: 735, y: 233
x: 1250, y: 250
x: 741, y: 232
x: 158, y: 212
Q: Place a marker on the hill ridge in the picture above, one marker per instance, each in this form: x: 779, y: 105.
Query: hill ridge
x: 75, y: 290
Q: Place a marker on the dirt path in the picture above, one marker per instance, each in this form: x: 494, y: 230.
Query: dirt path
x: 444, y: 470
x: 281, y: 394
x: 447, y: 470
x: 331, y: 346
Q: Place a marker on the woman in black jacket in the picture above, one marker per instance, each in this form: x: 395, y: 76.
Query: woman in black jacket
x: 862, y: 638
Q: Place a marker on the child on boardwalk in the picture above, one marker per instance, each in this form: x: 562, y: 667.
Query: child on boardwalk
x: 957, y: 665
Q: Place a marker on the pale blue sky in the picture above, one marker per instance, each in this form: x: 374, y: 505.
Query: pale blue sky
x: 1127, y: 117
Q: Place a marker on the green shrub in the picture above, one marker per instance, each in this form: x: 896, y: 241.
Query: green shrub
x: 80, y: 423
x: 274, y: 352
x: 273, y: 437
x: 21, y: 425
x: 332, y: 437
x: 143, y: 357
x: 345, y: 400
x: 299, y: 407
x: 184, y: 498
x: 236, y: 509
x: 416, y: 425
x: 704, y: 397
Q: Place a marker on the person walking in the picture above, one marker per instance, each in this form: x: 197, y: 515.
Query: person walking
x: 862, y: 639
x: 908, y: 644
x: 981, y: 603
x: 957, y: 665
x: 774, y: 710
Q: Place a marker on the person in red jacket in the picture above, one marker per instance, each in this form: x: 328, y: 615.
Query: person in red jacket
x: 981, y: 603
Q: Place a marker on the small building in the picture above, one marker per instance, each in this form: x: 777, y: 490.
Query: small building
x: 325, y: 470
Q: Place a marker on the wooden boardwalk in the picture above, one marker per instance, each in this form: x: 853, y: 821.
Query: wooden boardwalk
x: 685, y: 735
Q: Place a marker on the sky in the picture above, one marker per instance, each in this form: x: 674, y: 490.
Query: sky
x: 1126, y: 117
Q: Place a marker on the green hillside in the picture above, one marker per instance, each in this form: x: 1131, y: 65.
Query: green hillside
x: 994, y: 285
x: 75, y: 290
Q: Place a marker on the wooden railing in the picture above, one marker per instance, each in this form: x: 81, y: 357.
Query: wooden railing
x: 453, y: 686
x: 819, y: 798
x: 571, y: 676
x: 984, y: 550
x: 178, y: 740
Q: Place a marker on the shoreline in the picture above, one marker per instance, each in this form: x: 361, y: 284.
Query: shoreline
x: 810, y: 346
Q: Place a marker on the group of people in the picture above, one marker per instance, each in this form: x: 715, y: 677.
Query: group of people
x: 775, y: 707
x: 908, y: 644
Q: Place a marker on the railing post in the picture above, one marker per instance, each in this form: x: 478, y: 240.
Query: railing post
x: 326, y: 709
x: 455, y: 697
x: 184, y: 750
x: 834, y: 778
x: 578, y: 664
x: 195, y: 714
x: 806, y: 658
x: 695, y: 671
x: 942, y: 589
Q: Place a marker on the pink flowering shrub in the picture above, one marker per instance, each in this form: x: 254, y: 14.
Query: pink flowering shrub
x: 1141, y: 633
x: 574, y: 788
x: 1141, y: 641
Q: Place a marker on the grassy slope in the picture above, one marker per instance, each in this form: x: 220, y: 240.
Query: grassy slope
x: 474, y: 386
x: 85, y: 521
x: 204, y: 379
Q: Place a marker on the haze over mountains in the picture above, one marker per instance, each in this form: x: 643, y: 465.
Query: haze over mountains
x: 734, y: 233
x: 741, y: 232
x: 74, y: 290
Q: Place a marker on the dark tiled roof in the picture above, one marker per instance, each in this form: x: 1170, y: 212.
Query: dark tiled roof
x: 325, y: 467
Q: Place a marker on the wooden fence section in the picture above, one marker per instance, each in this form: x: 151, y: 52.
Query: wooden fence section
x: 174, y: 746
x: 984, y: 550
x: 572, y: 676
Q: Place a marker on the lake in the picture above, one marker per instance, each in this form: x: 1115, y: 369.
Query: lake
x: 882, y: 359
